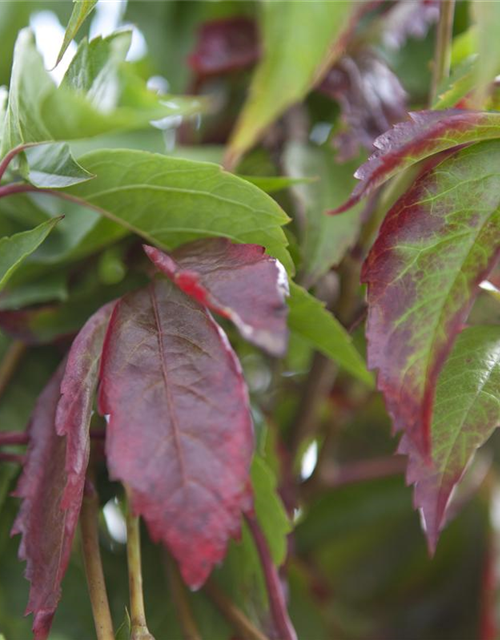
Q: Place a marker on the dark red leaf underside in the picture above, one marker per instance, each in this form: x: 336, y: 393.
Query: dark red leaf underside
x: 74, y: 410
x: 426, y: 133
x: 225, y: 46
x: 238, y: 281
x: 179, y: 430
x: 47, y: 529
x: 437, y: 243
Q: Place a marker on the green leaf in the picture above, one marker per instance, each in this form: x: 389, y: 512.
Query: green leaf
x: 309, y: 318
x: 487, y: 16
x: 273, y: 184
x: 169, y: 201
x: 297, y: 39
x: 327, y: 238
x: 14, y: 249
x: 52, y: 166
x: 466, y: 412
x: 38, y: 111
x: 123, y: 632
x: 81, y: 9
x: 436, y: 244
x: 50, y: 287
x: 269, y: 510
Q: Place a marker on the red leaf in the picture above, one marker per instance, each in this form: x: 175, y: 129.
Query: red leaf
x: 434, y: 248
x: 427, y: 133
x: 370, y: 96
x: 179, y: 434
x: 47, y: 528
x: 238, y: 281
x: 224, y: 46
x: 74, y: 410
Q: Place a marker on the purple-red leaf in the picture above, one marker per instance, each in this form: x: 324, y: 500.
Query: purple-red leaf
x: 224, y: 46
x: 179, y: 430
x: 238, y: 281
x: 437, y: 243
x: 370, y: 96
x: 47, y: 528
x: 74, y: 410
x: 427, y: 133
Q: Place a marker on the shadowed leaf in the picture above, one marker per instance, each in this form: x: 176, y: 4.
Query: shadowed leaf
x: 437, y: 243
x: 179, y: 434
x: 240, y: 282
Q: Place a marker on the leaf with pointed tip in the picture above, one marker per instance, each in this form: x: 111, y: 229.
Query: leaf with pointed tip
x: 179, y: 434
x: 238, y: 281
x: 437, y: 243
x: 74, y: 410
x: 81, y: 10
x: 14, y: 249
x: 310, y: 320
x: 169, y: 201
x: 466, y: 411
x: 297, y: 45
x: 38, y: 111
x: 46, y: 527
x: 426, y: 134
x: 52, y: 166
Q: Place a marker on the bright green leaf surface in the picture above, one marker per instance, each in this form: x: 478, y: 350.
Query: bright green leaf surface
x: 169, y: 201
x: 269, y: 509
x: 327, y: 238
x: 309, y: 318
x: 297, y: 40
x: 81, y: 9
x: 52, y: 166
x: 14, y: 249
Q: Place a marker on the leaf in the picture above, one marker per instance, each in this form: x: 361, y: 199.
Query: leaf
x: 47, y: 528
x: 466, y: 412
x: 297, y: 44
x: 14, y: 249
x: 326, y: 238
x: 224, y: 46
x: 74, y: 409
x: 169, y: 201
x: 38, y: 111
x: 437, y: 243
x: 427, y: 133
x: 487, y: 17
x: 269, y: 510
x: 52, y: 166
x: 169, y: 369
x: 240, y: 282
x: 81, y: 9
x: 124, y: 629
x: 309, y: 318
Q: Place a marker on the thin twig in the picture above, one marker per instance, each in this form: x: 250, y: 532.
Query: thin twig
x: 275, y: 594
x: 13, y: 437
x: 183, y: 609
x: 137, y: 612
x: 442, y: 52
x: 9, y: 364
x: 7, y: 159
x: 15, y: 458
x: 89, y: 525
x: 230, y: 611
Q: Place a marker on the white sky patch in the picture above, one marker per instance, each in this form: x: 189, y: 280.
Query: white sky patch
x: 49, y: 34
x: 309, y: 460
x: 115, y: 521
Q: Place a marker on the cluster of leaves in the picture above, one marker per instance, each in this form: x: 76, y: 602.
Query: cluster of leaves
x: 113, y: 258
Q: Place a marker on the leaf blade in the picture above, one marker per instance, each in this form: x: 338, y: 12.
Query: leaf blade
x: 81, y: 10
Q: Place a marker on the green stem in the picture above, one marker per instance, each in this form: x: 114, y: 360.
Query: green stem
x: 89, y: 519
x: 442, y: 53
x: 10, y: 362
x: 188, y: 623
x: 137, y: 613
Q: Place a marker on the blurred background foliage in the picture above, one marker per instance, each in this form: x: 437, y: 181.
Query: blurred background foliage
x: 357, y: 565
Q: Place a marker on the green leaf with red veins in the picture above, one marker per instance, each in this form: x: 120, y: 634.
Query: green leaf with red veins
x: 466, y: 411
x: 427, y: 133
x: 179, y: 434
x: 238, y: 281
x: 437, y: 243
